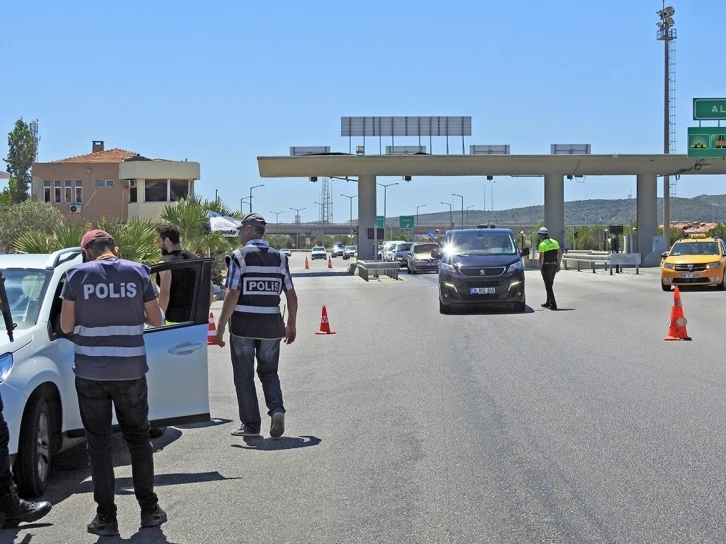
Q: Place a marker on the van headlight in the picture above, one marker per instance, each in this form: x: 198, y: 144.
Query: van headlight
x: 515, y: 266
x: 6, y: 365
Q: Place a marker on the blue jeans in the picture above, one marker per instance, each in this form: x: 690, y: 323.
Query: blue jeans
x: 243, y: 352
x: 130, y: 399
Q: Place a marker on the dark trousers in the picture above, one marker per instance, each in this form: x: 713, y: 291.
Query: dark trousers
x: 267, y: 352
x: 6, y: 476
x: 548, y: 275
x: 130, y: 399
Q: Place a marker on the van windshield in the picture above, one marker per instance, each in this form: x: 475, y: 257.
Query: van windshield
x: 482, y: 243
x: 25, y: 289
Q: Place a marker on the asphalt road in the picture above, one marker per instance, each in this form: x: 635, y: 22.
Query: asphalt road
x: 576, y: 426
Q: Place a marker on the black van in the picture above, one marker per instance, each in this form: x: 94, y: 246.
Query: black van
x: 480, y: 266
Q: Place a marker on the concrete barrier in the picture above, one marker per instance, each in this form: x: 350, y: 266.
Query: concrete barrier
x: 365, y: 268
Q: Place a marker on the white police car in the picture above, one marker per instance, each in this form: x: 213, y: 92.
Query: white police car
x: 36, y: 369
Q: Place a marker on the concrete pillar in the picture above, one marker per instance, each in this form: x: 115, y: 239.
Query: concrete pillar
x: 554, y: 206
x: 366, y: 217
x: 647, y: 201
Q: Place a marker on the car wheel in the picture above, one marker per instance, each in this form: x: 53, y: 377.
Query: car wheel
x: 721, y: 286
x: 665, y: 287
x: 35, y: 446
x: 156, y: 432
x: 443, y: 308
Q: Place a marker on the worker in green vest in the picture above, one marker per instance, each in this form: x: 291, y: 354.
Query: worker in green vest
x: 550, y: 258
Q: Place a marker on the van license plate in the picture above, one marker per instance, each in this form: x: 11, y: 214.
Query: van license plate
x: 689, y: 276
x: 482, y: 291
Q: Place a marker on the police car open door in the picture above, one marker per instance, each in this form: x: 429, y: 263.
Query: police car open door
x: 177, y: 353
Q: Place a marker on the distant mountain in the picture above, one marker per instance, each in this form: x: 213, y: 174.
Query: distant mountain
x: 705, y: 208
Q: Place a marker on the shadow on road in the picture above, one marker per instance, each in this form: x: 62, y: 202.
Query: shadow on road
x: 204, y: 424
x: 277, y: 444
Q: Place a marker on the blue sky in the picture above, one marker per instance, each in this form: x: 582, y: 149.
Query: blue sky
x: 221, y: 83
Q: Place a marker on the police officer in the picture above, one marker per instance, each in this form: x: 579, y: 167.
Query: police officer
x: 106, y: 301
x: 550, y: 258
x: 256, y: 277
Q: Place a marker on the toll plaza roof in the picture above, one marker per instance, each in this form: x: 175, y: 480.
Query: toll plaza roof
x: 341, y: 165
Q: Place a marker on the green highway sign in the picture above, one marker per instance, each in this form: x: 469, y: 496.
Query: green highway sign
x: 709, y: 109
x: 379, y: 222
x: 406, y: 221
x: 707, y: 142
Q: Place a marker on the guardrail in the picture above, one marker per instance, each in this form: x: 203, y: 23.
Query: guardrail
x: 609, y: 261
x: 366, y: 267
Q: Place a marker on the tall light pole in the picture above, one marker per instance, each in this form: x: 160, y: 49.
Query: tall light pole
x: 462, y: 208
x: 253, y: 187
x: 385, y: 189
x: 467, y: 214
x: 277, y: 216
x: 417, y: 208
x: 322, y: 221
x: 297, y: 221
x: 350, y: 201
x: 451, y: 216
x: 242, y: 202
x: 666, y: 33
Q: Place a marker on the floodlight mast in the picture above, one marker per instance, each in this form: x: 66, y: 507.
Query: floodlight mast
x: 666, y: 33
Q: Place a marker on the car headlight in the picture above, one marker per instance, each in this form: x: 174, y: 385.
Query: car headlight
x: 515, y: 266
x: 713, y: 265
x: 447, y: 267
x: 669, y: 266
x: 6, y: 365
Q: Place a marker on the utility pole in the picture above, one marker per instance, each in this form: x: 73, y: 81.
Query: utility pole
x: 666, y: 33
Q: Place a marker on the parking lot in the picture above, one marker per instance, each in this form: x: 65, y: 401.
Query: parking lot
x: 574, y: 426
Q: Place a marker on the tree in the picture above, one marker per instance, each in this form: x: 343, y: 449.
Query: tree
x: 6, y: 195
x: 21, y: 155
x: 23, y: 217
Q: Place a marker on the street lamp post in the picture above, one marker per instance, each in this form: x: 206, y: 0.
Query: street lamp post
x: 253, y: 187
x: 322, y: 221
x: 467, y: 214
x: 666, y: 34
x: 451, y: 213
x: 350, y: 201
x: 241, y: 203
x: 297, y: 221
x: 385, y: 189
x: 462, y: 208
x: 277, y: 216
x: 417, y: 209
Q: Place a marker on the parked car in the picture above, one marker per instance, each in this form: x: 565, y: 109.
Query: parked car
x: 318, y: 252
x: 286, y: 251
x: 36, y: 368
x: 480, y: 266
x: 419, y: 259
x: 350, y: 251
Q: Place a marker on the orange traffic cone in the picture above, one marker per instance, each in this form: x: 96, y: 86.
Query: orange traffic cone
x: 324, y: 324
x: 677, y: 326
x: 330, y: 263
x: 307, y: 266
x: 211, y: 331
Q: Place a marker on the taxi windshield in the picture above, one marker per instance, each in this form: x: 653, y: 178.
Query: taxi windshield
x: 25, y: 289
x: 482, y: 243
x: 681, y: 249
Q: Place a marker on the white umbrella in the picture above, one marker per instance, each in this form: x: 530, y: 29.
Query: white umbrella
x: 226, y: 226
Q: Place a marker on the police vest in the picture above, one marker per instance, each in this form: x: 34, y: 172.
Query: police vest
x: 549, y: 248
x: 257, y: 313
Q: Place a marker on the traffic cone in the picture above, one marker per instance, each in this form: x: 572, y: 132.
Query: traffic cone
x: 211, y: 331
x: 324, y: 324
x: 677, y: 326
x: 307, y: 266
x: 330, y: 263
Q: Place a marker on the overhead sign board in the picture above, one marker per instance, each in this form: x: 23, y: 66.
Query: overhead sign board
x: 405, y: 126
x: 489, y: 149
x: 406, y: 221
x: 707, y: 142
x: 570, y: 149
x: 379, y: 222
x: 709, y: 109
x: 309, y: 150
x: 405, y: 149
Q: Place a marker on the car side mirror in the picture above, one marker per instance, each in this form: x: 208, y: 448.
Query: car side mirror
x: 664, y: 255
x: 435, y: 254
x: 525, y: 252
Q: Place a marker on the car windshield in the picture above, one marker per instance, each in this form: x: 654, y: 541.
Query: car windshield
x: 404, y: 247
x: 318, y: 249
x: 424, y: 248
x: 25, y: 289
x: 350, y: 248
x: 694, y: 248
x: 482, y: 243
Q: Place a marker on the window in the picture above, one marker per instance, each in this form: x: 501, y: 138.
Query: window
x: 133, y: 194
x: 57, y: 191
x: 178, y: 189
x: 46, y: 190
x: 156, y: 190
x: 79, y: 191
x: 104, y: 183
x: 68, y: 191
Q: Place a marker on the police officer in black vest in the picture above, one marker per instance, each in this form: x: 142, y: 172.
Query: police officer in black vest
x: 256, y: 277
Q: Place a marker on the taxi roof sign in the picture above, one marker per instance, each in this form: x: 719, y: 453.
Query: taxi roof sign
x: 698, y: 235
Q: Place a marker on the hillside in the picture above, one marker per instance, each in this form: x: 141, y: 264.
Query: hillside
x: 591, y: 212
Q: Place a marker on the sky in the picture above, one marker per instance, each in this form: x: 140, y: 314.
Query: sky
x: 221, y: 83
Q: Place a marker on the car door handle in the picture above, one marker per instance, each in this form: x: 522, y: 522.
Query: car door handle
x: 185, y: 349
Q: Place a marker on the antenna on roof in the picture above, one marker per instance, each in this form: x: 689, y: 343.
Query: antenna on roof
x: 36, y: 137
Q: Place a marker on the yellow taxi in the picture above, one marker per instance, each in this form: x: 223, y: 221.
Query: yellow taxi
x: 695, y: 260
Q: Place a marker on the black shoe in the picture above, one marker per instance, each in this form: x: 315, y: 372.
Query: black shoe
x: 153, y: 518
x: 17, y: 511
x: 553, y: 307
x: 278, y: 425
x: 546, y: 305
x: 103, y: 526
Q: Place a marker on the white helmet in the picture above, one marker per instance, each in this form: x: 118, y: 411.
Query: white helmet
x: 544, y: 231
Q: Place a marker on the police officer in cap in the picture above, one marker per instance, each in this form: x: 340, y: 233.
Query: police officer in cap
x: 550, y: 258
x: 256, y: 277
